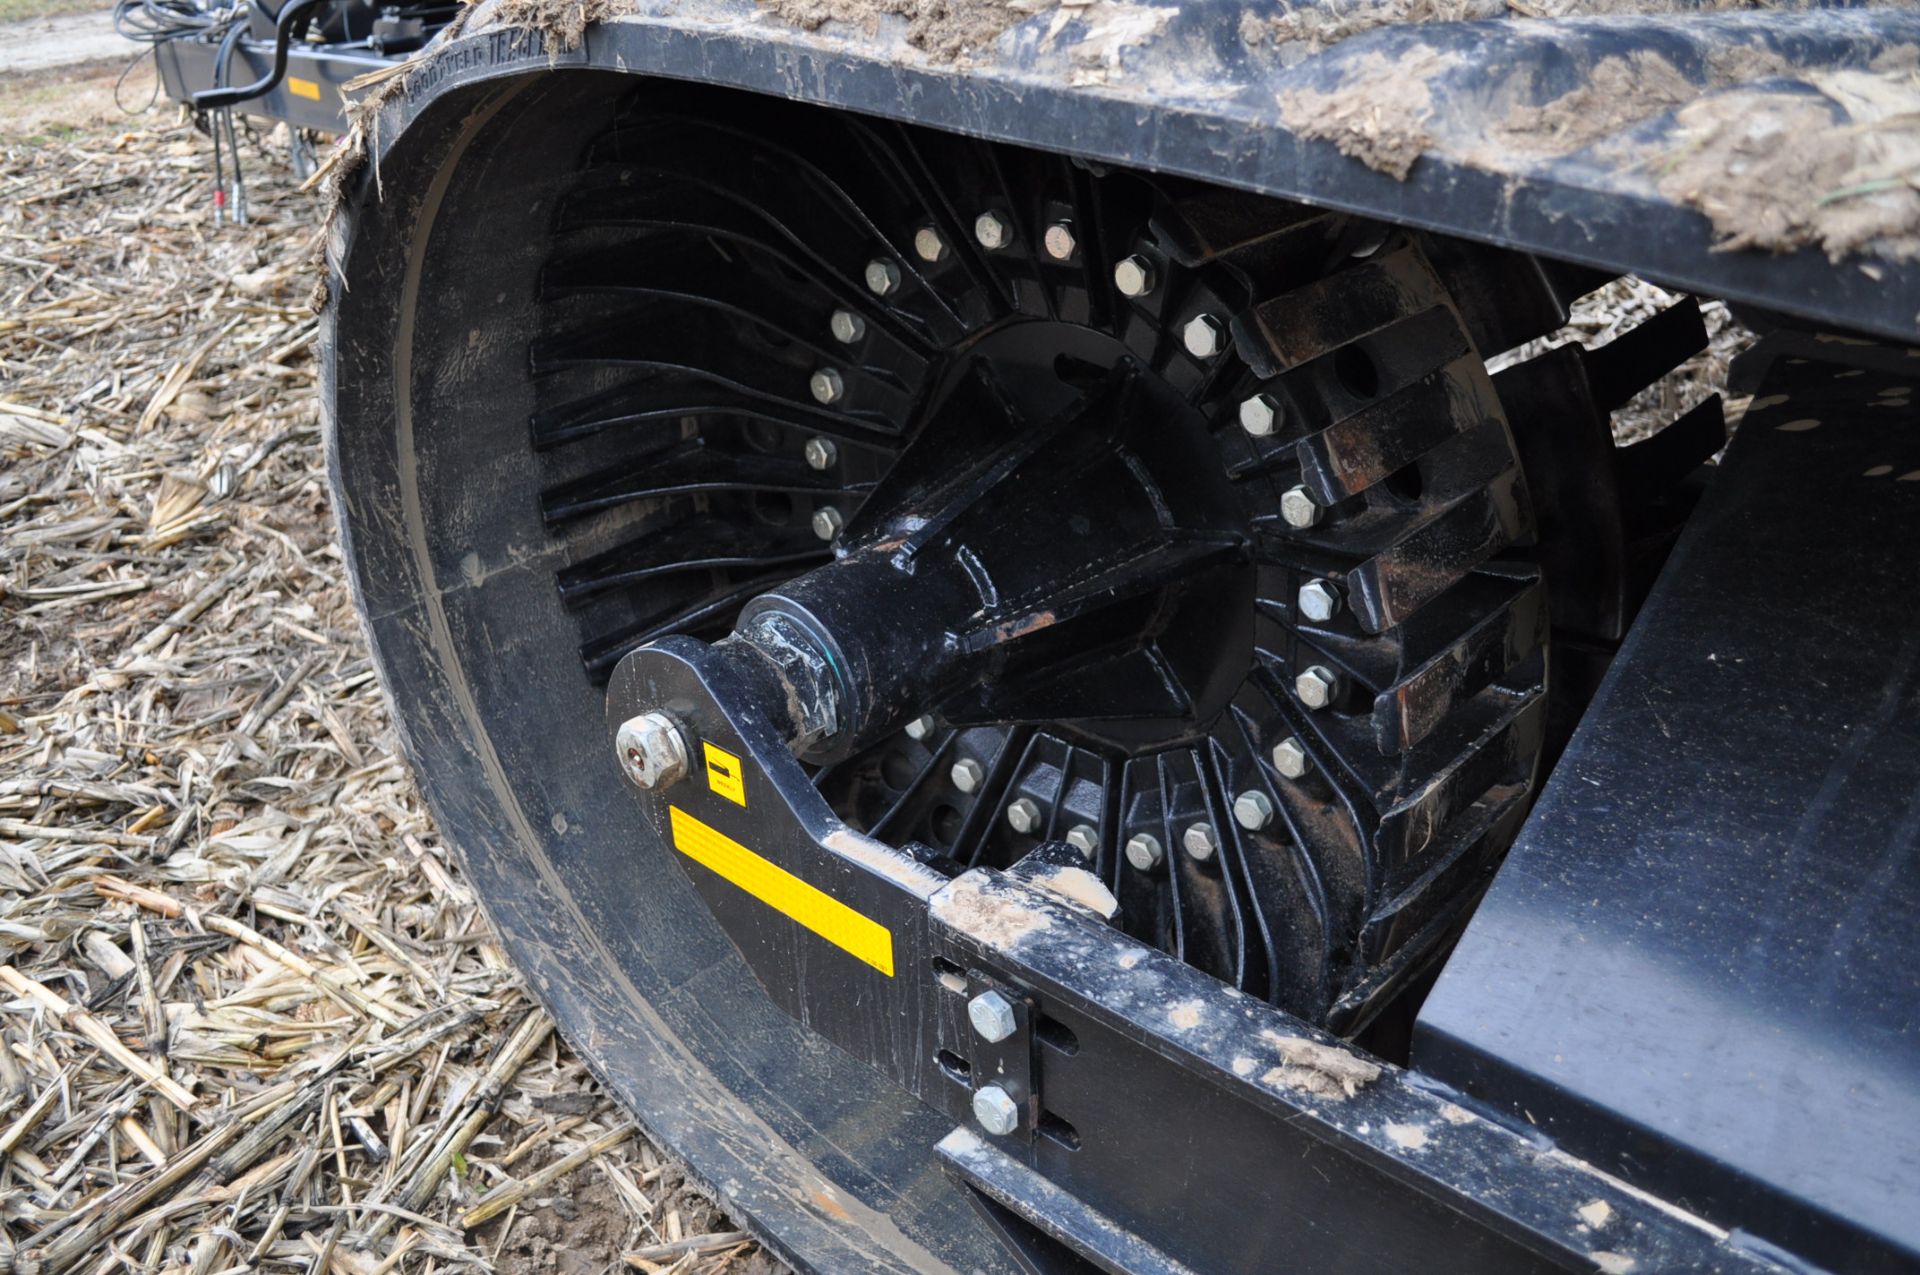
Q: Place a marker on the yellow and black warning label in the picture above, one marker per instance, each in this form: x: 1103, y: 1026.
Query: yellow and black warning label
x: 723, y: 774
x: 779, y: 889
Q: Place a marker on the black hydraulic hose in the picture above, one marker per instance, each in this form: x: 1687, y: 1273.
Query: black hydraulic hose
x: 290, y: 17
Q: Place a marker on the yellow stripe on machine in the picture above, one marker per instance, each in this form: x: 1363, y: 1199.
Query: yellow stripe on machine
x: 782, y: 891
x: 308, y: 89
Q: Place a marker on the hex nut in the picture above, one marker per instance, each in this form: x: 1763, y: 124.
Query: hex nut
x: 1134, y: 276
x: 992, y: 1017
x: 1260, y: 415
x: 920, y: 727
x: 827, y: 386
x: 1290, y: 758
x: 827, y: 522
x: 1253, y: 809
x: 1319, y: 600
x: 967, y: 774
x: 1085, y: 839
x: 821, y: 453
x: 1299, y: 509
x: 1317, y: 686
x: 1144, y: 851
x: 996, y: 1111
x: 883, y: 277
x: 928, y: 245
x: 1060, y: 242
x: 1199, y: 841
x: 992, y: 230
x: 1204, y: 336
x: 847, y: 327
x: 1023, y: 815
x: 652, y: 751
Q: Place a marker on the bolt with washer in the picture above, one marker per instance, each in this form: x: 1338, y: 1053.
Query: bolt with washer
x: 1253, y: 810
x: 883, y: 277
x: 1024, y: 815
x: 1204, y: 336
x: 821, y: 453
x: 928, y: 244
x: 652, y: 751
x: 996, y: 1110
x: 1290, y: 757
x: 1144, y: 851
x: 1317, y: 686
x: 1260, y: 415
x: 1060, y: 242
x: 967, y: 774
x: 992, y: 230
x: 992, y: 1016
x: 827, y: 386
x: 1319, y: 600
x: 1299, y: 508
x: 1199, y: 841
x: 827, y: 522
x: 1134, y: 276
x: 847, y: 327
x: 1085, y: 839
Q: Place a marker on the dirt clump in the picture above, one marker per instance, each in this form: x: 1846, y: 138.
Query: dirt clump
x: 944, y: 29
x: 1379, y: 113
x: 563, y: 23
x: 1619, y: 93
x: 1308, y: 28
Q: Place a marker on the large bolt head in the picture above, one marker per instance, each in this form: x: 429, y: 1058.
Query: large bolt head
x: 1317, y: 686
x: 652, y: 751
x: 996, y: 1111
x: 1134, y: 276
x: 1204, y: 336
x: 1060, y: 241
x: 1199, y: 841
x: 821, y: 453
x: 1144, y: 851
x: 1299, y: 508
x: 1085, y: 839
x: 920, y: 727
x: 1290, y: 758
x: 967, y: 774
x: 1260, y: 415
x: 1253, y: 810
x: 1319, y: 600
x: 827, y: 386
x: 1024, y: 815
x: 992, y: 230
x: 847, y: 327
x: 827, y: 522
x: 992, y: 1016
x: 928, y: 245
x: 883, y: 277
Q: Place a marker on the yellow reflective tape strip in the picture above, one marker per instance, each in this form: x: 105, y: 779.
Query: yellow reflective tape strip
x: 782, y: 891
x: 303, y: 88
x: 723, y: 774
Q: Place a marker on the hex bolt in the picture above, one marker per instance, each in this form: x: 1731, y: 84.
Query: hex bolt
x: 1299, y: 508
x: 1319, y: 600
x: 992, y: 230
x: 827, y: 386
x: 827, y: 522
x: 1316, y: 687
x: 920, y: 727
x: 1060, y: 241
x: 1144, y: 852
x: 1199, y: 841
x: 1134, y: 276
x: 1085, y: 839
x: 1290, y: 757
x: 1024, y: 815
x: 1253, y: 809
x: 992, y: 1016
x: 1260, y: 415
x: 847, y: 327
x: 967, y: 774
x: 996, y: 1111
x: 652, y: 751
x: 883, y: 277
x: 928, y: 244
x: 1204, y: 336
x: 821, y: 453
